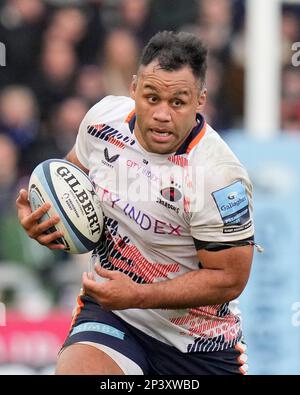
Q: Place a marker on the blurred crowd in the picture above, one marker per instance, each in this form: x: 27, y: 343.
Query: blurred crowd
x: 62, y: 56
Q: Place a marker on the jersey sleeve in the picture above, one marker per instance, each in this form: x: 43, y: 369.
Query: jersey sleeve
x: 223, y: 213
x: 82, y: 144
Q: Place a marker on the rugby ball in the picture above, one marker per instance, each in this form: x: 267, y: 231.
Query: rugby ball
x: 73, y: 198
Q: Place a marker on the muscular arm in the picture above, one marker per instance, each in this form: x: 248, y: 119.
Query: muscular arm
x: 72, y: 157
x: 223, y: 278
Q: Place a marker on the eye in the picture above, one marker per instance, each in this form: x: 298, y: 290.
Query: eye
x: 152, y: 99
x: 177, y: 103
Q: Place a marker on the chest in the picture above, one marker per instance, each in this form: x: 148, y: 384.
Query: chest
x: 141, y: 195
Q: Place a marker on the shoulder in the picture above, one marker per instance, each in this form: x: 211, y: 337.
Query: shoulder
x: 213, y: 151
x: 216, y: 160
x: 110, y: 108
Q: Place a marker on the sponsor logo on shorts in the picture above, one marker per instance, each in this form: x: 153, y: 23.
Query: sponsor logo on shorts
x: 98, y: 327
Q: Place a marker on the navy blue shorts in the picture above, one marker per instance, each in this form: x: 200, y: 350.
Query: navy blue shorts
x: 93, y: 325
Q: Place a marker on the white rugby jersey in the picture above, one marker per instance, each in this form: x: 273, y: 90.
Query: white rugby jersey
x: 155, y: 205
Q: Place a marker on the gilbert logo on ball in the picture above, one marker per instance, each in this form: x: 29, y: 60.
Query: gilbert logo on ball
x: 73, y: 198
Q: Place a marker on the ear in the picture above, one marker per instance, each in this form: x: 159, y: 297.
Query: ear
x: 201, y: 99
x: 133, y: 86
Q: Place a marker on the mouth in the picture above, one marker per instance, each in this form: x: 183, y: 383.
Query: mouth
x: 161, y: 135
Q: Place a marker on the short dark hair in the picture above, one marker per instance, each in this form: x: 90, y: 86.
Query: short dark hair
x: 175, y: 50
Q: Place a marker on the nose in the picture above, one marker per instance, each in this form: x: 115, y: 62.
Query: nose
x: 162, y: 113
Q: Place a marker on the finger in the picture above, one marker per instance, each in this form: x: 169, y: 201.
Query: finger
x: 91, y: 276
x: 90, y: 286
x: 86, y: 286
x: 46, y: 239
x: 22, y: 197
x: 23, y: 205
x: 39, y: 212
x: 28, y: 218
x: 48, y: 224
x: 98, y: 268
x: 48, y: 228
x: 56, y: 246
x: 105, y: 273
x: 86, y: 280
